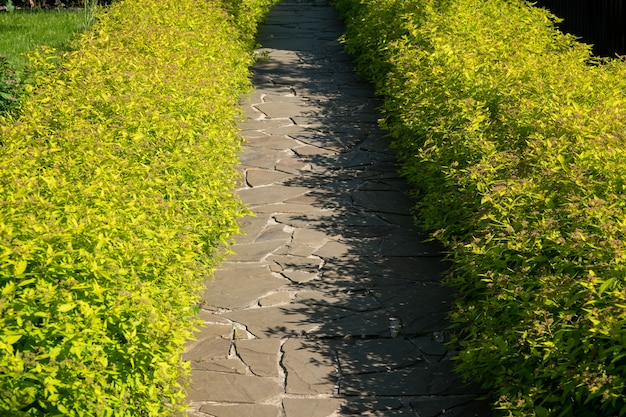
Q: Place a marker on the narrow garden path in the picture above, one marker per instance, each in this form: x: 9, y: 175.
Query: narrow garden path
x: 332, y: 304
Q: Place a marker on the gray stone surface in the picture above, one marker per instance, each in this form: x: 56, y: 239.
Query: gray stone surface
x: 241, y: 410
x: 310, y: 368
x: 331, y: 304
x: 311, y: 407
x: 232, y: 388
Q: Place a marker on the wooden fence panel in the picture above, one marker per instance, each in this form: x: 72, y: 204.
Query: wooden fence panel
x: 601, y: 23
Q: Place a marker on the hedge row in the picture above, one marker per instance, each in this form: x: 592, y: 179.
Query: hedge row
x: 512, y: 135
x: 116, y: 202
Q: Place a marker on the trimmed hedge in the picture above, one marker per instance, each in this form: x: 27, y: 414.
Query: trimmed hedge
x: 116, y: 202
x: 512, y: 135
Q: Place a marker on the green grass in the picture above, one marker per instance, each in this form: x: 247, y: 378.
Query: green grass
x: 23, y: 31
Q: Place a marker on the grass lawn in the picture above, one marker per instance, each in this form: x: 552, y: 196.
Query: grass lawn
x: 22, y: 31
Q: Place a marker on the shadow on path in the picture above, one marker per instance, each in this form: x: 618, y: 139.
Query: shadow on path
x: 331, y: 304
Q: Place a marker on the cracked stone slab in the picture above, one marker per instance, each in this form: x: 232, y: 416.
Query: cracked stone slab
x: 273, y: 232
x: 256, y: 251
x: 208, y: 349
x: 312, y: 407
x: 258, y: 177
x: 294, y: 262
x: 292, y: 320
x: 222, y: 365
x: 292, y: 164
x: 261, y: 355
x: 309, y: 366
x: 300, y: 277
x: 232, y: 388
x: 251, y: 227
x: 238, y: 287
x: 241, y: 410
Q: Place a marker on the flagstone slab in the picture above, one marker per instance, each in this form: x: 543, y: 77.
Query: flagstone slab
x: 354, y: 324
x: 334, y: 249
x: 293, y: 320
x: 265, y: 127
x: 312, y: 407
x: 250, y: 228
x: 300, y: 277
x: 349, y: 300
x: 310, y: 367
x: 208, y: 349
x: 214, y: 331
x: 409, y: 245
x: 286, y: 109
x: 260, y: 159
x: 239, y: 287
x: 283, y: 208
x: 273, y: 142
x: 270, y: 194
x: 241, y: 410
x: 295, y: 262
x: 232, y: 388
x: 422, y: 307
x: 292, y: 164
x: 222, y: 365
x: 309, y: 150
x: 311, y: 237
x: 376, y: 355
x: 384, y: 201
x: 273, y: 232
x: 254, y: 252
x: 275, y: 299
x: 294, y: 249
x: 258, y: 177
x: 261, y: 355
x: 413, y: 381
x: 450, y: 405
x: 362, y: 406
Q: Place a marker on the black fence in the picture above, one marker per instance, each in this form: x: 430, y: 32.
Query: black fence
x: 601, y: 23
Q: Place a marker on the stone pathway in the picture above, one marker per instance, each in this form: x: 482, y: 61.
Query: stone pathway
x: 332, y: 304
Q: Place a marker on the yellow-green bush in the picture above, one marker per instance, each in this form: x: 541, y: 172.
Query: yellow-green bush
x: 116, y: 198
x: 513, y: 138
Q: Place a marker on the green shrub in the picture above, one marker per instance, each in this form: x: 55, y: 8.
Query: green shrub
x: 12, y: 87
x: 116, y: 200
x: 513, y: 138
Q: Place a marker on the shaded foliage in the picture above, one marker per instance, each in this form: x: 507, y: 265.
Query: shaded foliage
x: 513, y: 138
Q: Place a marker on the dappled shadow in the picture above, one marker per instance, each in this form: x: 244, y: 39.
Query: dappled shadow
x: 360, y: 313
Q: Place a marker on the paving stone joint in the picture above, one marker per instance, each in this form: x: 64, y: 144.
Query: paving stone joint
x: 331, y: 304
